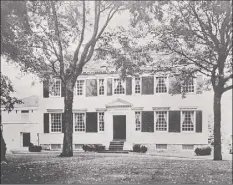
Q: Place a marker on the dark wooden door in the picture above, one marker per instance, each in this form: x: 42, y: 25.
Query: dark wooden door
x: 26, y: 139
x: 119, y: 127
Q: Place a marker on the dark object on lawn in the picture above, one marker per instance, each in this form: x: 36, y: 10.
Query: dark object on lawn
x: 93, y: 148
x: 99, y: 148
x: 136, y: 148
x: 203, y: 150
x: 34, y: 148
x: 143, y: 149
x: 3, y: 148
x: 139, y: 148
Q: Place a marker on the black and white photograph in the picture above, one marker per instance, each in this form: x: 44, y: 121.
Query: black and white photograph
x: 116, y: 92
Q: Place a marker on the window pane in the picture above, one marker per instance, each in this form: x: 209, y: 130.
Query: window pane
x: 118, y: 87
x: 161, y: 146
x: 138, y: 121
x: 56, y: 122
x: 187, y: 147
x: 79, y: 122
x: 101, y: 121
x: 161, y: 121
x: 137, y: 85
x: 56, y: 88
x: 188, y: 86
x: 188, y: 121
x: 161, y: 86
x: 79, y: 86
x: 101, y: 86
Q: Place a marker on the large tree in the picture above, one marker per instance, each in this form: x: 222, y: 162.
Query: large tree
x: 7, y: 103
x: 13, y: 15
x: 190, y: 36
x: 61, y: 40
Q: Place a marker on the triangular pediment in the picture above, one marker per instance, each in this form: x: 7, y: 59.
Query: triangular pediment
x: 118, y: 103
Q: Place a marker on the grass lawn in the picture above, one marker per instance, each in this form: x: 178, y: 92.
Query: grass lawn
x: 93, y: 168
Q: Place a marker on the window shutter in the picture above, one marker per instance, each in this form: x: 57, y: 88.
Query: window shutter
x: 174, y: 121
x: 148, y: 85
x: 91, y: 122
x: 46, y: 122
x: 109, y: 86
x: 128, y: 85
x: 46, y: 88
x: 198, y: 121
x: 199, y: 85
x: 62, y: 122
x: 148, y: 121
x: 62, y: 89
x: 91, y: 87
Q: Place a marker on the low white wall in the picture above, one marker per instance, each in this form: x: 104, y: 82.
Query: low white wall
x: 13, y: 137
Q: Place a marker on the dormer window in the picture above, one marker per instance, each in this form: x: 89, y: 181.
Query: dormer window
x: 119, y: 87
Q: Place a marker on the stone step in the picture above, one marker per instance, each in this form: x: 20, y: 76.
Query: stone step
x: 113, y: 151
x: 110, y: 148
x: 116, y: 145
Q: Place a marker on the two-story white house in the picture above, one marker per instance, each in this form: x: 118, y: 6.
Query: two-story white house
x: 138, y: 110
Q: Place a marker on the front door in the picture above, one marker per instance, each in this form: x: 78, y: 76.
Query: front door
x: 119, y: 127
x: 26, y: 139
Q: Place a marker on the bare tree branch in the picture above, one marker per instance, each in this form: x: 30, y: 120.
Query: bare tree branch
x: 57, y: 33
x: 110, y: 15
x: 228, y: 78
x: 75, y: 58
x: 227, y: 88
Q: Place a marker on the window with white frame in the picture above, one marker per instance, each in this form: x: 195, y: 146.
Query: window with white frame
x: 161, y: 146
x: 80, y: 87
x: 55, y: 87
x: 137, y: 85
x: 188, y: 86
x: 187, y: 147
x: 101, y: 86
x: 79, y: 122
x: 161, y: 120
x: 55, y: 146
x: 118, y: 87
x: 101, y: 121
x: 56, y: 122
x: 138, y: 121
x: 161, y: 85
x: 187, y: 120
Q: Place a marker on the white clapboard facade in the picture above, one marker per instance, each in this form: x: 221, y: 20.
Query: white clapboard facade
x: 137, y: 110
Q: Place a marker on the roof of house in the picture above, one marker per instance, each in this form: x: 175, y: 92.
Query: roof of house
x: 108, y: 67
x: 28, y: 102
x: 31, y: 101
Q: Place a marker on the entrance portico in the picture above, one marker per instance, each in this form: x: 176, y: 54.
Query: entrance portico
x: 118, y: 119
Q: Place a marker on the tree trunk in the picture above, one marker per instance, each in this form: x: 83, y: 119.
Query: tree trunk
x: 217, y: 126
x: 67, y: 121
x: 3, y: 148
